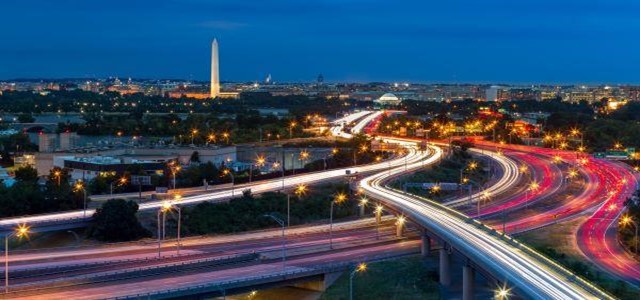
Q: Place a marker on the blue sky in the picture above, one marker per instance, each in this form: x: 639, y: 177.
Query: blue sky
x: 521, y: 41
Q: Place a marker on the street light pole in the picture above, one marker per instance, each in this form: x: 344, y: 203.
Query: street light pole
x: 179, y: 222
x: 21, y: 231
x: 159, y: 233
x: 284, y: 239
x: 360, y: 268
x: 84, y: 191
x: 331, y: 226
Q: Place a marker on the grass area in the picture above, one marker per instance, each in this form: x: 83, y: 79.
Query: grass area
x: 557, y: 242
x: 405, y: 278
x: 246, y: 212
x: 447, y: 171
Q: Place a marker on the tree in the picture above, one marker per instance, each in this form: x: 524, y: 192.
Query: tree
x: 116, y: 221
x: 27, y: 174
x: 195, y: 157
x: 26, y: 118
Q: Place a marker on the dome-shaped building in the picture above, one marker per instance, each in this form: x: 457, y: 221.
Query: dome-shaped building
x: 388, y: 99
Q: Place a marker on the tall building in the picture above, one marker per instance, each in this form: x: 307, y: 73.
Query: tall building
x: 215, y: 72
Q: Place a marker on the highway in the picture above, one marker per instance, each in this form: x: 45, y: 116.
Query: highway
x: 223, y: 195
x: 597, y: 236
x: 532, y: 276
x: 116, y: 271
x: 509, y: 261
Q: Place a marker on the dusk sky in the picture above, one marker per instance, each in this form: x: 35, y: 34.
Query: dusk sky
x: 543, y: 41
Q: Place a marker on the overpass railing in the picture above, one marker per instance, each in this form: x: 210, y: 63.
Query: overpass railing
x: 222, y: 286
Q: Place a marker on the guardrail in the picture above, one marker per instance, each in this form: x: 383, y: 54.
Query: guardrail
x: 253, y: 280
x: 548, y: 262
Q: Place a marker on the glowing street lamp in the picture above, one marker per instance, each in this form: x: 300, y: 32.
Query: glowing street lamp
x: 533, y: 186
x: 226, y: 172
x: 435, y: 189
x: 626, y: 220
x: 502, y: 293
x: 485, y: 196
x: 57, y: 174
x: 300, y: 190
x: 226, y: 136
x: 260, y: 161
x: 291, y: 126
x: 360, y: 268
x: 378, y: 211
x: 211, y: 138
x: 20, y: 232
x: 79, y: 186
x: 121, y: 181
x: 523, y: 169
x: 304, y: 156
x: 617, y: 146
x: 363, y: 205
x: 175, y: 169
x: 338, y: 199
x: 193, y: 134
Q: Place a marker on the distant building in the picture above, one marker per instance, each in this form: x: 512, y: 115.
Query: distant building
x: 87, y: 168
x: 492, y: 93
x: 388, y: 99
x: 47, y: 142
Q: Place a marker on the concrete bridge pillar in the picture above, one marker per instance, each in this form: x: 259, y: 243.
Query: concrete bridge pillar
x: 425, y: 247
x: 468, y: 282
x: 445, y: 267
x: 400, y: 226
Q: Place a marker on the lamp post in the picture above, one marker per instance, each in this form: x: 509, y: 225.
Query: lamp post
x: 260, y: 161
x: 121, y: 181
x: 175, y: 168
x: 291, y: 126
x: 228, y: 172
x: 363, y: 205
x: 339, y: 198
x: 57, y: 174
x: 379, y: 209
x: 360, y: 268
x: 79, y: 186
x: 629, y: 220
x: 226, y: 135
x: 164, y: 209
x: 284, y: 239
x: 533, y: 186
x: 193, y: 134
x: 20, y: 232
x: 304, y: 156
x: 299, y: 191
x: 486, y: 196
x: 502, y: 293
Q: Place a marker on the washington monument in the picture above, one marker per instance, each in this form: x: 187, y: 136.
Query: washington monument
x: 215, y: 72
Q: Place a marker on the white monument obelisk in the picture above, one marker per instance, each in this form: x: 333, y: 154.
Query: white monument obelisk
x: 215, y: 72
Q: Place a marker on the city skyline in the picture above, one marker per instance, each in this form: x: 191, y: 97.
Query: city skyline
x: 459, y: 42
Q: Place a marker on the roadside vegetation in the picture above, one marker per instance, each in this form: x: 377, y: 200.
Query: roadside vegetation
x: 404, y: 278
x: 447, y: 171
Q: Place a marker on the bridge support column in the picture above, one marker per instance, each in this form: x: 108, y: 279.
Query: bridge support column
x: 400, y: 226
x: 425, y: 247
x: 468, y: 282
x: 445, y: 267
